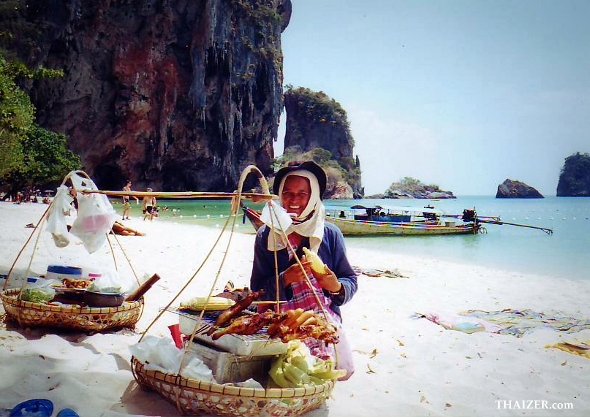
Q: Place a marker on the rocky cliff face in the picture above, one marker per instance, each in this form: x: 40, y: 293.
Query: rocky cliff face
x: 516, y: 189
x: 316, y: 121
x: 574, y: 180
x: 174, y: 94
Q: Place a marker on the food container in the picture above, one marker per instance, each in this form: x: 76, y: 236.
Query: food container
x: 69, y: 295
x: 103, y: 299
x: 93, y: 275
x: 228, y: 367
x: 60, y: 272
x: 258, y: 344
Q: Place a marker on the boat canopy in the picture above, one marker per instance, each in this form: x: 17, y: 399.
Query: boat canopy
x: 390, y: 209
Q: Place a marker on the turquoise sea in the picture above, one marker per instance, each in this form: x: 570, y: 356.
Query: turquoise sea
x: 565, y: 253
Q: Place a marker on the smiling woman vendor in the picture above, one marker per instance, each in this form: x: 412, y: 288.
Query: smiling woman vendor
x: 300, y: 188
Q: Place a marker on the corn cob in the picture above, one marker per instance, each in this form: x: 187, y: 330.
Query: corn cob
x: 317, y: 265
x: 201, y: 303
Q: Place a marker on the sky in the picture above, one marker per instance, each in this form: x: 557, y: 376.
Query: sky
x: 463, y: 94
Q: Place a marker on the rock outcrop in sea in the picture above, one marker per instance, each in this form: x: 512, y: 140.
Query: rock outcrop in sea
x: 516, y: 189
x: 574, y: 180
x: 412, y: 188
x: 318, y: 124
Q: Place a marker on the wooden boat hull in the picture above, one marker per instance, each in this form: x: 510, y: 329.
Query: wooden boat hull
x: 351, y: 227
x: 253, y: 216
x: 367, y: 228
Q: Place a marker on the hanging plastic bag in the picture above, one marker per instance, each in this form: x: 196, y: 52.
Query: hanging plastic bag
x: 96, y: 215
x: 56, y: 222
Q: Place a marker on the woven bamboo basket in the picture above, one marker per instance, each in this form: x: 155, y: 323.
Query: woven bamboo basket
x: 193, y: 397
x: 72, y: 317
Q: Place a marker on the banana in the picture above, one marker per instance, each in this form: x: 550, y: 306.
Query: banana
x: 335, y: 374
x: 301, y: 319
x: 278, y: 375
x: 321, y: 366
x: 301, y: 363
x: 201, y: 303
x: 317, y: 265
x: 292, y: 316
x: 294, y: 374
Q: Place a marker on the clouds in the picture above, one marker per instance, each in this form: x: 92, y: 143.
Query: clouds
x: 457, y: 93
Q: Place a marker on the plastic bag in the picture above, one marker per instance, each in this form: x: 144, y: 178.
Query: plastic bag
x: 158, y: 354
x: 96, y: 215
x: 161, y: 354
x: 40, y: 291
x: 196, y: 369
x: 56, y: 222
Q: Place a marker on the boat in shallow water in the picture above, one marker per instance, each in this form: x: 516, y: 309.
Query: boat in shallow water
x: 403, y: 221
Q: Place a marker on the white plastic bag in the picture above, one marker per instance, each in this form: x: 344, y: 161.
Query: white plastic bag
x: 96, y: 215
x: 56, y: 222
x: 158, y: 354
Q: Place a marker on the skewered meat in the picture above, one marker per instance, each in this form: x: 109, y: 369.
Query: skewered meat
x: 248, y: 324
x: 235, y: 310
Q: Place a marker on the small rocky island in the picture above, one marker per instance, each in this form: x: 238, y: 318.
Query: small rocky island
x: 412, y: 188
x: 516, y: 189
x: 574, y: 180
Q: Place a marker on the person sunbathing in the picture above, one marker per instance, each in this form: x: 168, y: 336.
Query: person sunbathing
x: 120, y: 229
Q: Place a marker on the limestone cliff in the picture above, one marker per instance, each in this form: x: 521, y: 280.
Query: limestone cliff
x: 574, y: 180
x: 174, y: 94
x: 315, y: 121
x: 516, y: 189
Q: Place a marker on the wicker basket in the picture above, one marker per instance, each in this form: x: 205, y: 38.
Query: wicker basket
x: 193, y: 397
x: 73, y: 317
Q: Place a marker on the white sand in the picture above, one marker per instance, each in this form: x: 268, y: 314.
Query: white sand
x: 405, y: 366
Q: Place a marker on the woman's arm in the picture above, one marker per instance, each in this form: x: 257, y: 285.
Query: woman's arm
x: 333, y: 253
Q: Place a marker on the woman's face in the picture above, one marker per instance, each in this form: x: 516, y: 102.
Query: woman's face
x: 296, y: 194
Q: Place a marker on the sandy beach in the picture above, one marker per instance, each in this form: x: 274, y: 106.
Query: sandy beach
x: 406, y: 365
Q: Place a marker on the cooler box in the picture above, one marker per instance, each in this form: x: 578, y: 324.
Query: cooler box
x: 258, y: 344
x: 228, y: 367
x: 60, y: 272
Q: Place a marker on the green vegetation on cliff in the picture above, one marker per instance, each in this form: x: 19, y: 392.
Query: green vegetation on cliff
x: 29, y: 155
x: 318, y: 129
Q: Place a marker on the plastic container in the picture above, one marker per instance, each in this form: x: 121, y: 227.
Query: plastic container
x: 60, y: 272
x: 103, y: 299
x: 93, y: 275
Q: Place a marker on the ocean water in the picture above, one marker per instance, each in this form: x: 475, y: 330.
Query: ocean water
x: 565, y: 253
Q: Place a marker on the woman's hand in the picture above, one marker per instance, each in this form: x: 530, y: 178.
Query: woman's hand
x: 295, y: 274
x: 328, y: 281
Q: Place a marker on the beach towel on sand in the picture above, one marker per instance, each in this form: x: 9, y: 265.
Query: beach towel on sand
x: 458, y: 323
x: 519, y: 322
x: 577, y: 347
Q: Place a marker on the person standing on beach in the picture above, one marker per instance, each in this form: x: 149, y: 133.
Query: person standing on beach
x: 126, y: 205
x: 149, y: 206
x: 300, y: 188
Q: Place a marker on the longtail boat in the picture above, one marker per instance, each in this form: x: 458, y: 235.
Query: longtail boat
x: 380, y: 221
x: 401, y: 221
